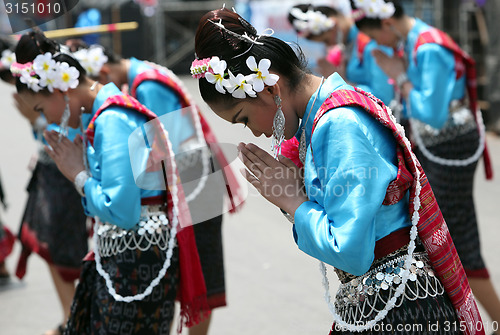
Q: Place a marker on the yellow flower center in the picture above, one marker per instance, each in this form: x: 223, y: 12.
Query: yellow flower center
x: 45, y: 66
x: 65, y: 77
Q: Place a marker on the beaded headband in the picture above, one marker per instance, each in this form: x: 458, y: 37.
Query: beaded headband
x: 373, y: 9
x: 311, y: 22
x: 45, y: 72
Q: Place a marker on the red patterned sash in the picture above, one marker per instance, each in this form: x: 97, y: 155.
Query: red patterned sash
x: 464, y: 64
x: 432, y: 228
x: 192, y: 292
x: 233, y: 188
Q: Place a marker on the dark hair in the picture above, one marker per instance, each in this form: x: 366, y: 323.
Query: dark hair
x: 212, y: 40
x: 35, y: 43
x: 5, y: 73
x: 328, y: 11
x: 377, y: 23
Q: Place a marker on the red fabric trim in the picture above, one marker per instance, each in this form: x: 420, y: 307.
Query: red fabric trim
x: 89, y: 257
x: 68, y: 274
x: 481, y: 273
x: 6, y: 244
x: 31, y: 244
x: 464, y: 64
x: 157, y: 200
x: 392, y: 242
x: 431, y: 226
x: 217, y: 300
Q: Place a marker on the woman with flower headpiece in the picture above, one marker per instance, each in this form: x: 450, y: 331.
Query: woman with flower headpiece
x: 437, y: 81
x: 144, y: 249
x: 349, y: 50
x: 53, y: 224
x: 160, y: 90
x: 364, y: 205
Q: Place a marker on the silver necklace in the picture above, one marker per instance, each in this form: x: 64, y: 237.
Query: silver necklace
x: 302, y: 143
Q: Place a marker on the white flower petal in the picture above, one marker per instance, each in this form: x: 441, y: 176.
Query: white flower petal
x: 252, y: 64
x: 219, y: 87
x: 258, y: 84
x: 210, y: 77
x: 271, y: 79
x: 239, y: 93
x: 264, y: 64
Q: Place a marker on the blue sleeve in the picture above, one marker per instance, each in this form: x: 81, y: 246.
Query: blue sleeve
x: 163, y: 101
x: 353, y: 165
x: 429, y: 103
x: 356, y: 68
x: 379, y: 81
x: 368, y: 76
x: 112, y: 194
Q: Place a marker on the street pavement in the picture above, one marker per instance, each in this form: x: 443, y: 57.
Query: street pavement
x: 272, y: 287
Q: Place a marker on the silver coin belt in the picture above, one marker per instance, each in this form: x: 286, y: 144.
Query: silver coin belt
x: 460, y: 122
x: 153, y: 229
x: 358, y: 299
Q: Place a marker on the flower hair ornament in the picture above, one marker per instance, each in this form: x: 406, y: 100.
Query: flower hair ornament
x: 8, y: 57
x: 239, y: 85
x: 45, y: 72
x: 91, y: 59
x: 373, y: 9
x: 311, y: 22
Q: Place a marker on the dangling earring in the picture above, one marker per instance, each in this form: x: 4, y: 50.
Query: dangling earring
x: 278, y: 128
x: 63, y: 125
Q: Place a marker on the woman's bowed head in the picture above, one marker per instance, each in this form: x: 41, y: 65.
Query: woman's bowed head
x: 51, y: 82
x: 259, y: 81
x: 386, y: 23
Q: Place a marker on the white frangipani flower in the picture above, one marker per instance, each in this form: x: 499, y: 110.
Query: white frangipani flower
x: 49, y: 81
x: 217, y: 77
x: 238, y: 86
x: 387, y: 10
x: 361, y: 3
x: 375, y: 9
x: 8, y: 57
x: 262, y: 75
x: 44, y: 65
x: 31, y: 82
x: 66, y: 77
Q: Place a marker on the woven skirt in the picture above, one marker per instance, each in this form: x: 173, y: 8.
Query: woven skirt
x: 54, y: 223
x: 208, y: 236
x: 453, y: 187
x: 94, y: 311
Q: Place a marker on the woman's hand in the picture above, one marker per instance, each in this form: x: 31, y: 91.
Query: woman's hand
x: 392, y: 66
x: 67, y: 155
x: 279, y: 182
x: 325, y: 68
